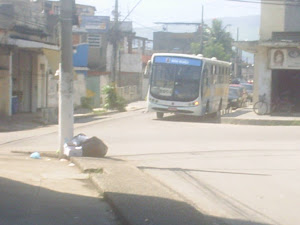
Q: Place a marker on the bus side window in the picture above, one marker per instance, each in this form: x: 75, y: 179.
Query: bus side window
x: 205, y: 80
x: 206, y: 77
x: 216, y: 74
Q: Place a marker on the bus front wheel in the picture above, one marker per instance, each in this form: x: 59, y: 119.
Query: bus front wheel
x: 159, y: 115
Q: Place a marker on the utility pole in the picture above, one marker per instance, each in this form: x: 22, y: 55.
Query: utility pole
x: 236, y: 56
x: 66, y: 110
x: 202, y: 31
x: 115, y: 44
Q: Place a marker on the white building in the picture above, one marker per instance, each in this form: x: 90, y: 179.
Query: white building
x: 277, y: 53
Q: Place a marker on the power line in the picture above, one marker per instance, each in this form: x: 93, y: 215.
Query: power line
x: 265, y: 2
x: 132, y: 10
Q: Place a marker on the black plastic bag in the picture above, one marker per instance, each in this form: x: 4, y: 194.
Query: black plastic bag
x: 94, y: 147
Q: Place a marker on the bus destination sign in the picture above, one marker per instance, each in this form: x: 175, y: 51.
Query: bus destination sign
x: 177, y: 61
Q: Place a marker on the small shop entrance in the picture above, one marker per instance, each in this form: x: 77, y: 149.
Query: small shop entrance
x: 286, y: 91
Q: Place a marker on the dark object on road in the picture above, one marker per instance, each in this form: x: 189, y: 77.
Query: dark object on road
x: 94, y: 147
x: 82, y: 145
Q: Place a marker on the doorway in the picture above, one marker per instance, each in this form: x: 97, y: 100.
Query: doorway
x: 286, y: 87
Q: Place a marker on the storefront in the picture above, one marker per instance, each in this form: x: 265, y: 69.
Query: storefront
x: 285, y: 66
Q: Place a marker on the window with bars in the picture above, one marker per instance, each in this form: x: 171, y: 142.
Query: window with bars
x: 94, y: 40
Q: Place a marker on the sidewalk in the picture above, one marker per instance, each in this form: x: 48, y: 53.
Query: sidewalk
x: 49, y: 191
x: 137, y: 198
x: 246, y: 116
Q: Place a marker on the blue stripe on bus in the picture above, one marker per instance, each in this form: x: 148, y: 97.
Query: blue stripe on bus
x: 177, y: 61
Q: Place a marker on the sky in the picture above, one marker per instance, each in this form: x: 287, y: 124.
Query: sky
x: 150, y: 11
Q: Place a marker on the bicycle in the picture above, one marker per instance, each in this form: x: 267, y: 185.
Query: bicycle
x: 261, y: 107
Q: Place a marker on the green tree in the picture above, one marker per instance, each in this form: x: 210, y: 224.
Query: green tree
x: 218, y: 34
x: 217, y: 42
x: 215, y: 49
x: 196, y: 46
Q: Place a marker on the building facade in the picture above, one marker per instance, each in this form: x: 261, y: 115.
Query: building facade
x: 25, y: 44
x: 277, y: 54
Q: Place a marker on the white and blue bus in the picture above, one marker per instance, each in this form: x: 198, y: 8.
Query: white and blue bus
x: 187, y: 84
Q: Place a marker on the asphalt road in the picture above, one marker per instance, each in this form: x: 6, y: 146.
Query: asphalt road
x: 246, y: 173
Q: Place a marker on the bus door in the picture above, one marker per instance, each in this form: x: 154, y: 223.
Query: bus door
x: 206, y: 86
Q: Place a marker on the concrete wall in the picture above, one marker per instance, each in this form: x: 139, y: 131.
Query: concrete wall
x: 173, y: 42
x: 104, y: 80
x: 42, y: 76
x: 272, y: 20
x: 129, y: 93
x: 262, y: 75
x: 79, y: 90
x: 129, y: 62
x: 292, y: 18
x: 5, y: 102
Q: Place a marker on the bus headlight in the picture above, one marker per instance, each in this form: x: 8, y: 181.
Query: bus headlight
x: 196, y: 103
x: 153, y: 100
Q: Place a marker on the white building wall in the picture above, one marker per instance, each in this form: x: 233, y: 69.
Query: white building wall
x: 272, y: 20
x: 131, y: 63
x: 79, y: 89
x: 104, y: 80
x: 262, y: 76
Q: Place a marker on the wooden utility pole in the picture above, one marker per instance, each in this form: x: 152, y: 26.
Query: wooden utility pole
x: 66, y: 110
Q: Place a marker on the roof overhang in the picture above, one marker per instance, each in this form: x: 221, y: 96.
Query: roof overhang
x: 252, y: 46
x: 31, y: 44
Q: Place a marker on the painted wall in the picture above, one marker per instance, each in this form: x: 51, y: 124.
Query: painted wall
x: 272, y: 20
x: 93, y: 90
x: 262, y: 75
x: 80, y: 56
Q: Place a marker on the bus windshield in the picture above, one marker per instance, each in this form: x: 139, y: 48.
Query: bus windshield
x: 175, y: 82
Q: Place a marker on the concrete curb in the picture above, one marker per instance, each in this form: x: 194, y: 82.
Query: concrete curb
x: 136, y: 197
x: 260, y: 122
x: 42, y: 154
x: 89, y: 115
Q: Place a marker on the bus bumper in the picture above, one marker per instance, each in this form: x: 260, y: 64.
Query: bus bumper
x: 184, y: 110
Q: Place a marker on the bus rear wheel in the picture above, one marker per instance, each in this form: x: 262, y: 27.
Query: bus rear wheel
x: 159, y: 115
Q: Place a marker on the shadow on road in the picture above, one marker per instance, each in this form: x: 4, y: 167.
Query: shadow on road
x: 89, y: 119
x: 150, y: 210
x: 25, y: 204
x: 190, y: 119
